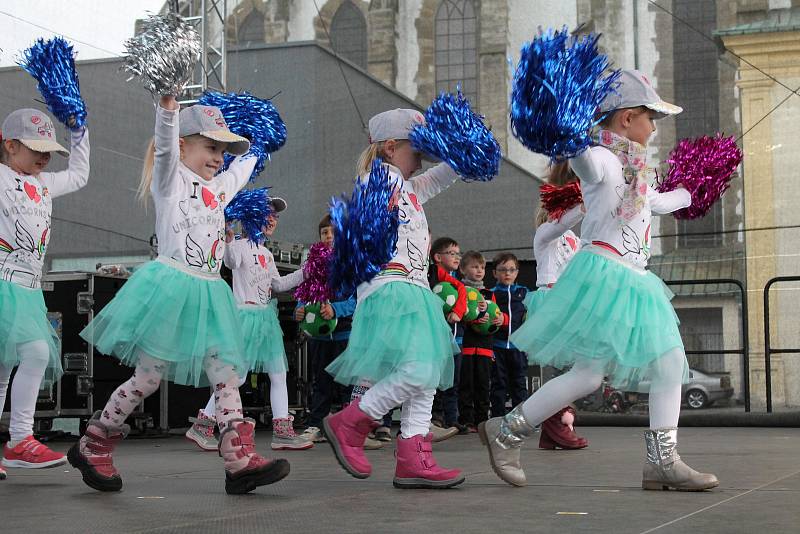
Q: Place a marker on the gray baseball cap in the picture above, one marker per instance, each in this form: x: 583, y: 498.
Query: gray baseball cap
x: 634, y: 90
x: 209, y: 122
x: 34, y: 129
x: 394, y: 124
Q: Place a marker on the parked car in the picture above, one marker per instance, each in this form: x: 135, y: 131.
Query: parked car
x: 702, y: 390
x: 705, y: 389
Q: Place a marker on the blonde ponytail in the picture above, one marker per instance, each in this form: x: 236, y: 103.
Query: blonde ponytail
x: 374, y: 150
x: 147, y: 172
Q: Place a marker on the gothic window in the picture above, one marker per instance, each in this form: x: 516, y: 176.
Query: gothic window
x: 252, y: 28
x: 349, y: 34
x: 457, y: 48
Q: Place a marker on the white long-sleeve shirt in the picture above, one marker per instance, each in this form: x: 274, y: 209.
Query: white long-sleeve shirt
x: 255, y: 275
x: 603, y: 185
x: 26, y: 206
x: 554, y: 244
x: 410, y: 263
x: 190, y: 218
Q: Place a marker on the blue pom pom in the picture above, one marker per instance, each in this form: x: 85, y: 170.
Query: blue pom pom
x: 457, y: 136
x: 52, y: 64
x: 251, y: 207
x: 253, y: 118
x: 365, y: 231
x: 559, y: 85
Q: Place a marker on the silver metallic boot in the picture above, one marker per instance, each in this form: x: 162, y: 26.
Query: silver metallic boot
x: 503, y: 436
x: 664, y: 469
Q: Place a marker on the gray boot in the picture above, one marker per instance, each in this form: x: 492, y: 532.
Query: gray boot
x: 664, y: 469
x: 503, y: 436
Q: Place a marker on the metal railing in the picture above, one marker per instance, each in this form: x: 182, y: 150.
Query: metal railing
x: 745, y: 350
x: 768, y: 350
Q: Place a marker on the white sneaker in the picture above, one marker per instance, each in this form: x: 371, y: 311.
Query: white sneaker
x: 313, y: 434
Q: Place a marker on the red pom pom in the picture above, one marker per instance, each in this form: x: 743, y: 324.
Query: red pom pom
x: 557, y: 200
x: 704, y: 166
x: 315, y: 287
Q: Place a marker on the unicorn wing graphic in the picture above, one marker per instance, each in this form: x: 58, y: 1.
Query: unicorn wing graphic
x: 416, y: 257
x: 194, y: 253
x: 262, y: 296
x: 630, y: 240
x: 24, y: 237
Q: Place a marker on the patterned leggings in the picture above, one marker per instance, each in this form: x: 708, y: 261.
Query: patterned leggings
x: 148, y: 375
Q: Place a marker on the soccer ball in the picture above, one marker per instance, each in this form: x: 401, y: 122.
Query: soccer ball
x: 313, y: 324
x: 474, y: 298
x: 448, y: 293
x: 488, y: 328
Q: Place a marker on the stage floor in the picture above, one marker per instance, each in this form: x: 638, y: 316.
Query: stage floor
x: 170, y: 486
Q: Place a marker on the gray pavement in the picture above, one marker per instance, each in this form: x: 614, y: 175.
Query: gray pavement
x: 172, y: 487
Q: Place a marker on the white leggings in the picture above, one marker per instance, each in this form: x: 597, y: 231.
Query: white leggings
x: 586, y: 377
x: 33, y: 359
x: 278, y: 397
x: 394, y: 390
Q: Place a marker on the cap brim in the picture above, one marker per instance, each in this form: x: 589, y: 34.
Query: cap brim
x: 278, y: 204
x: 45, y: 146
x: 664, y: 108
x: 237, y: 145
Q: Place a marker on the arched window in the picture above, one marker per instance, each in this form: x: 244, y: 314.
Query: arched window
x: 457, y: 48
x: 349, y: 34
x: 252, y: 28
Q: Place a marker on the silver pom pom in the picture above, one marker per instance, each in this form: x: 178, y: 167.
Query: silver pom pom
x: 163, y: 54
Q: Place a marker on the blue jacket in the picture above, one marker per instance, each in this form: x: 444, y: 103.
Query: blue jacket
x: 509, y: 299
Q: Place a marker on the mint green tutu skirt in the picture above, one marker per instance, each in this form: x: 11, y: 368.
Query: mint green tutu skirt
x: 534, y: 299
x: 174, y: 316
x: 23, y: 318
x: 398, y: 330
x: 263, y: 340
x: 601, y: 311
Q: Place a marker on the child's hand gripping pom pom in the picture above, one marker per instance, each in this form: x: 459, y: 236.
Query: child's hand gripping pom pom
x: 453, y: 133
x: 704, y: 166
x: 52, y: 64
x: 163, y: 54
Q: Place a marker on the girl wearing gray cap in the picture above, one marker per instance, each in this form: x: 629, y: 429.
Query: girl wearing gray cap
x: 606, y: 315
x: 176, y: 318
x: 26, y: 338
x: 400, y: 341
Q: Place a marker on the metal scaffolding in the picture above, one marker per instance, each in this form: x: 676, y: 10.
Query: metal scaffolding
x: 208, y: 17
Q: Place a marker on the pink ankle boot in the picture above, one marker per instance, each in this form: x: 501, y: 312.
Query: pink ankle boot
x: 346, y: 431
x: 245, y: 470
x: 93, y: 455
x: 417, y: 468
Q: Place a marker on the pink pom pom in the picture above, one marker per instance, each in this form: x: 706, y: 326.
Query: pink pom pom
x: 704, y: 166
x: 315, y: 287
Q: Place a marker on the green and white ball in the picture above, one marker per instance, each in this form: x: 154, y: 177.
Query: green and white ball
x: 474, y: 298
x: 488, y: 328
x: 448, y: 294
x: 313, y: 324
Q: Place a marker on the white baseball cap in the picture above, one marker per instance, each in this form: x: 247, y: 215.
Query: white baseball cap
x: 33, y: 129
x: 209, y: 122
x: 394, y: 124
x: 634, y: 90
